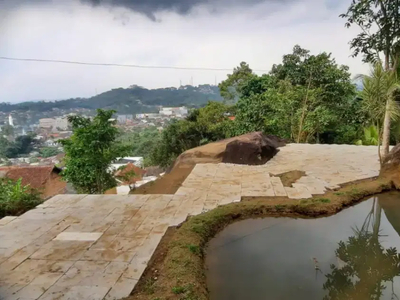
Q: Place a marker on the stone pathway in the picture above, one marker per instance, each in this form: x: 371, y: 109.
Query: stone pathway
x: 98, y: 246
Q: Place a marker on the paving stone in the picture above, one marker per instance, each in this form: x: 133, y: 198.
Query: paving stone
x: 78, y: 236
x: 300, y: 192
x: 107, y: 255
x: 278, y: 187
x: 6, y: 220
x: 98, y: 246
x: 122, y: 289
x: 74, y: 277
x: 38, y: 286
x: 75, y: 292
x: 90, y: 266
x: 68, y: 253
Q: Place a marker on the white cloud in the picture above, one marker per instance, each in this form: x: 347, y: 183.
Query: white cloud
x: 259, y: 35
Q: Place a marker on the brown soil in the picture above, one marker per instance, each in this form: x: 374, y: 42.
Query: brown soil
x: 168, y: 184
x: 151, y: 274
x: 288, y: 178
x: 210, y: 153
x: 179, y: 259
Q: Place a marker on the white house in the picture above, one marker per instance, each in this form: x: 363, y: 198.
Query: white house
x: 123, y: 161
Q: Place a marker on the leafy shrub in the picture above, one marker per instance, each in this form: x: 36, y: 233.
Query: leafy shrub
x: 16, y: 198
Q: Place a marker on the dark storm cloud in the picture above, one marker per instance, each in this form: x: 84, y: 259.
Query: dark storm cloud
x: 150, y: 7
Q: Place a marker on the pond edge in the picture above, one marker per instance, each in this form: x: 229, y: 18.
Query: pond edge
x: 177, y: 270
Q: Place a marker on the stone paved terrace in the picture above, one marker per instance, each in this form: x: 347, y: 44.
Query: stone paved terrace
x: 98, y: 246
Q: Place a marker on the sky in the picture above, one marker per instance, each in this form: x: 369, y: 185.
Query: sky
x: 180, y: 33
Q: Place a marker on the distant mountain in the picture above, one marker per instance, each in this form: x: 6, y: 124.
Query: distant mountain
x: 132, y: 100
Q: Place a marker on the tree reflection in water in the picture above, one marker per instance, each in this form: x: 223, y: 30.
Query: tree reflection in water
x: 366, y: 267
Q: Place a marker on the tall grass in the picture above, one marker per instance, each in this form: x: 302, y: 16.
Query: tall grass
x: 15, y: 198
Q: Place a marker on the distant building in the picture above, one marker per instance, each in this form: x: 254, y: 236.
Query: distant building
x: 61, y: 123
x: 10, y: 120
x: 148, y: 116
x: 123, y: 119
x: 174, y: 111
x: 51, y: 143
x: 46, y: 179
x: 47, y: 123
x: 123, y: 161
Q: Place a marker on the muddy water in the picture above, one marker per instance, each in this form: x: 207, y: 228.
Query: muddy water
x: 352, y: 255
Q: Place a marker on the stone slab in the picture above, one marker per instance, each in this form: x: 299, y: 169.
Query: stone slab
x: 78, y: 236
x: 98, y: 246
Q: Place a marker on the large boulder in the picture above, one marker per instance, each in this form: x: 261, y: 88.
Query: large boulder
x: 253, y: 148
x: 391, y: 166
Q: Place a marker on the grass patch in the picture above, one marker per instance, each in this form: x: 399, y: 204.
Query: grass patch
x: 178, y: 290
x: 182, y: 274
x: 194, y: 249
x: 149, y: 286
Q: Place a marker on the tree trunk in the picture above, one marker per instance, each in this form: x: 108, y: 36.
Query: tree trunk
x: 377, y: 220
x: 303, y: 114
x: 386, y: 133
x: 379, y: 143
x: 386, y: 121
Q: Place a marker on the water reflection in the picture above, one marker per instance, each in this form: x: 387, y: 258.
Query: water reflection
x: 366, y: 267
x: 349, y: 256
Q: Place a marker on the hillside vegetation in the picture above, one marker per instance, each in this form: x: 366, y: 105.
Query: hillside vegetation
x: 132, y: 100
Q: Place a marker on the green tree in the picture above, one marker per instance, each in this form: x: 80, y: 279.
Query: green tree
x: 141, y: 143
x: 7, y: 130
x: 231, y: 88
x: 204, y: 125
x: 48, y: 151
x: 379, y: 21
x: 301, y: 99
x: 90, y: 151
x: 378, y: 98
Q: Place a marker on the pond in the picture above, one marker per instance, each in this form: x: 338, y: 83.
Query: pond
x: 351, y: 255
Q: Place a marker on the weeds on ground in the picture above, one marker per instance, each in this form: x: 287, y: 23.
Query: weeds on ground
x: 194, y: 249
x: 149, y: 286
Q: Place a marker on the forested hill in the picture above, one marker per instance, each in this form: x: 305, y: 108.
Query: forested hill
x: 132, y: 100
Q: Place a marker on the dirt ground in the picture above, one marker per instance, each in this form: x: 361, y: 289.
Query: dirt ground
x: 168, y: 184
x: 288, y: 178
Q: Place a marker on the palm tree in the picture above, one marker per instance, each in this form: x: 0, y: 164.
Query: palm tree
x: 378, y: 101
x: 371, y: 136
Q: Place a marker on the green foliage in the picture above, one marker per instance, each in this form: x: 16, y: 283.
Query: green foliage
x: 178, y: 290
x: 90, y: 151
x: 371, y: 137
x: 22, y: 145
x: 379, y: 88
x: 231, y: 88
x: 194, y: 249
x: 48, y: 151
x: 141, y: 143
x: 149, y: 286
x: 132, y: 100
x: 16, y: 198
x: 301, y: 99
x: 7, y: 130
x: 202, y: 126
x: 380, y: 29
